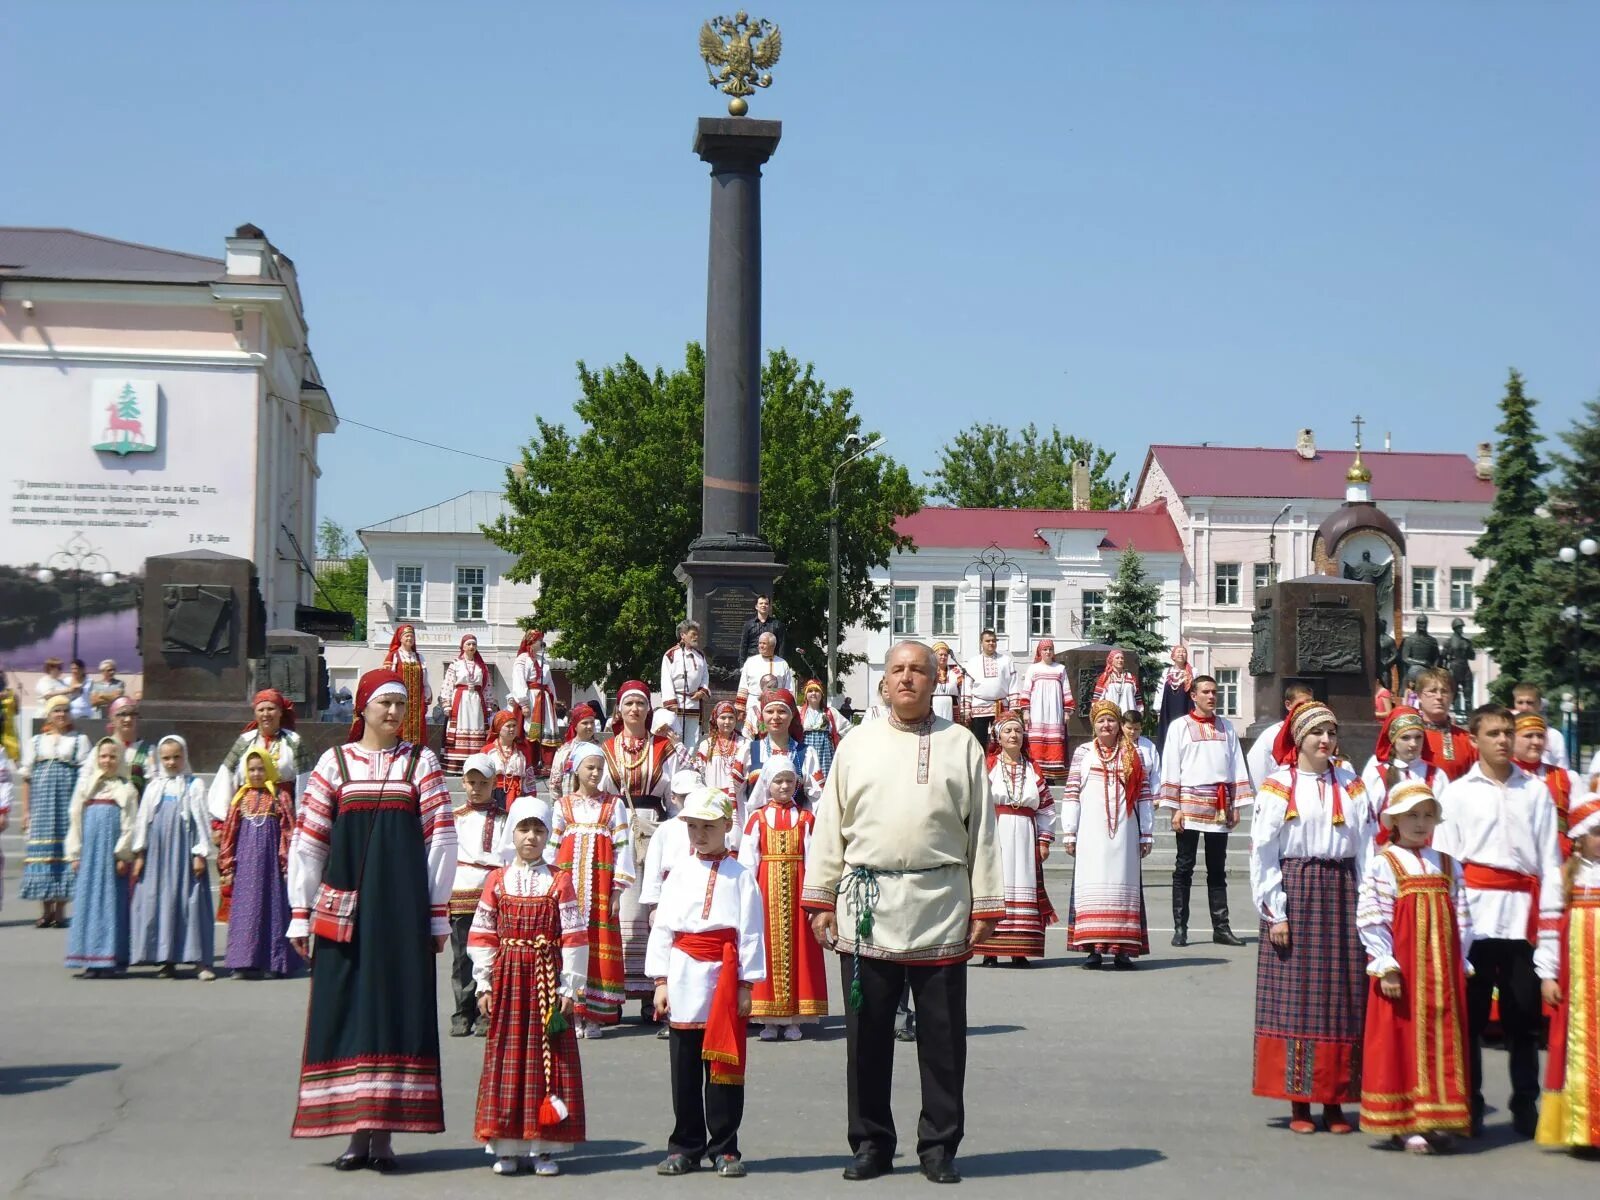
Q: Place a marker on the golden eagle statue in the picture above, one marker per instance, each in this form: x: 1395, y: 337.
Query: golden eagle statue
x: 737, y: 53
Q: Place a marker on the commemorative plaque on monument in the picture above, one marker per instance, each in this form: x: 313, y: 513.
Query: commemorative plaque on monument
x: 1321, y: 632
x: 1084, y: 664
x: 730, y: 563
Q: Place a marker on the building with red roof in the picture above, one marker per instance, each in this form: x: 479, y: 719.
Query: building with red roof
x: 1242, y: 513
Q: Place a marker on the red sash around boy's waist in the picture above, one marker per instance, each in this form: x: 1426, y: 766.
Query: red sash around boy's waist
x: 1500, y: 879
x: 725, y: 1029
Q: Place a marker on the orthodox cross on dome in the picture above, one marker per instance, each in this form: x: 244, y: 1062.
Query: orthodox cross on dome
x: 1358, y: 422
x: 1357, y: 477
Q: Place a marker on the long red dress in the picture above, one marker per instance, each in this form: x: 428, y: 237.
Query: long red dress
x: 795, y: 990
x: 1414, y: 1062
x: 1569, y: 1113
x: 531, y: 1089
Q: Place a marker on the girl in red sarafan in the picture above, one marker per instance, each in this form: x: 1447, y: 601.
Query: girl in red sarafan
x: 1413, y: 919
x: 795, y: 991
x: 529, y: 946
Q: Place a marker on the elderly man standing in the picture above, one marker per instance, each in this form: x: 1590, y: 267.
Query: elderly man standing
x: 905, y: 862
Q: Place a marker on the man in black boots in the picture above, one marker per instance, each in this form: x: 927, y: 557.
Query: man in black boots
x: 1205, y: 785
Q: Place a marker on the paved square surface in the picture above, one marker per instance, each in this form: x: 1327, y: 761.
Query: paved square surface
x: 1130, y: 1084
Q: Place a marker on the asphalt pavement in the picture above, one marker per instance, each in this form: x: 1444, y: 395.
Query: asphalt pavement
x: 1130, y: 1084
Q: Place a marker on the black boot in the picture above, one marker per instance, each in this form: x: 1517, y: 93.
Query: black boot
x: 1217, y: 895
x: 1180, y: 912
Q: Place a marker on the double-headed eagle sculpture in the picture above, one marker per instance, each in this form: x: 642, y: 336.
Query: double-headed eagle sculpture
x: 738, y: 53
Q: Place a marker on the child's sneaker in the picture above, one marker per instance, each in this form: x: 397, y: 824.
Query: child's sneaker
x: 792, y: 1033
x: 730, y: 1167
x: 677, y: 1164
x: 594, y: 1029
x: 769, y: 1033
x: 543, y: 1164
x: 507, y: 1164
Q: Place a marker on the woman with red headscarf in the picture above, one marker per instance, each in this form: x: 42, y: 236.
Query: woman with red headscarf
x: 1176, y: 683
x: 1401, y: 754
x: 639, y: 769
x: 272, y: 730
x: 371, y: 869
x: 781, y: 734
x: 1118, y: 685
x: 583, y: 728
x: 405, y: 660
x: 467, y: 682
x: 513, y: 757
x: 530, y: 687
x: 1047, y: 699
x: 719, y: 758
x: 1308, y: 841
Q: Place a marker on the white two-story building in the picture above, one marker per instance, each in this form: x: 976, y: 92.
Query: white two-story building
x: 1026, y: 573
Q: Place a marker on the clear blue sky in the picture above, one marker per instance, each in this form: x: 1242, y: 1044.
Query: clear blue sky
x: 1168, y: 220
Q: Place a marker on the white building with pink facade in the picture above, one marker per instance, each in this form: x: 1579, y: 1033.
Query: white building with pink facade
x: 1237, y: 510
x: 156, y: 401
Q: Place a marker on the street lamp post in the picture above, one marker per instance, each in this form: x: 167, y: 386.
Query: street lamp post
x: 77, y: 556
x: 1587, y: 548
x: 993, y: 560
x: 833, y: 554
x: 1272, y: 544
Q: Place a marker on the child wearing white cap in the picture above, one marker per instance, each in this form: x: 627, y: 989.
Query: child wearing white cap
x: 530, y: 950
x: 1567, y: 1114
x: 1413, y: 919
x: 480, y: 824
x: 706, y: 952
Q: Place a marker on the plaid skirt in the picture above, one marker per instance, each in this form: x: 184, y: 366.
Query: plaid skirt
x: 1311, y: 998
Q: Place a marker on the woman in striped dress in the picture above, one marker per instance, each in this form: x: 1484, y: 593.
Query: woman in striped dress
x: 374, y: 853
x: 51, y: 760
x: 1025, y: 818
x: 1107, y: 824
x: 820, y: 727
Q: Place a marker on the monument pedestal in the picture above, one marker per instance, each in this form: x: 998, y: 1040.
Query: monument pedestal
x: 1084, y: 664
x: 1319, y: 631
x: 723, y: 587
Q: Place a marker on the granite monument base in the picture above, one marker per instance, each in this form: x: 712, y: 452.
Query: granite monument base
x: 723, y: 586
x: 1084, y: 664
x: 1319, y: 631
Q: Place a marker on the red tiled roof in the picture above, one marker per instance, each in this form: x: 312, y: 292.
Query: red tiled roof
x: 1149, y: 529
x: 1270, y: 471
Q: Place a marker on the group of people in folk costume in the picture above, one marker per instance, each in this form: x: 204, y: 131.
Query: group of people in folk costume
x: 1406, y: 908
x: 127, y: 829
x: 467, y: 693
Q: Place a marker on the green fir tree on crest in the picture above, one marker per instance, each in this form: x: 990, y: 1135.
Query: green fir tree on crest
x: 127, y: 403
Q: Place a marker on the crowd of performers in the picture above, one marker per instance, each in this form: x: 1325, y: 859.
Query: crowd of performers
x: 1451, y: 885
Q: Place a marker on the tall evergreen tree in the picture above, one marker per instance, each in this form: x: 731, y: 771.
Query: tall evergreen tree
x: 1516, y: 541
x: 1569, y: 656
x: 1131, y: 618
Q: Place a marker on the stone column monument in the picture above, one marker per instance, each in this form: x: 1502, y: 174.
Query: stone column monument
x: 730, y: 562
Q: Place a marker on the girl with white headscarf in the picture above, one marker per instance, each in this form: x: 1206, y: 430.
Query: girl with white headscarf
x: 99, y: 834
x: 173, y: 921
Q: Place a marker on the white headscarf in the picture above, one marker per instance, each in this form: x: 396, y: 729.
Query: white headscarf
x: 523, y: 808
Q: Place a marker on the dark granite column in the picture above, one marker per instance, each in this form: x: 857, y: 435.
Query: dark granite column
x: 730, y: 562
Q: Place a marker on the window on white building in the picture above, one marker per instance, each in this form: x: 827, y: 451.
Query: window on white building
x: 1041, y: 612
x: 469, y: 593
x: 408, y: 593
x: 1228, y: 691
x: 905, y: 611
x: 1461, y: 589
x: 994, y: 609
x: 1094, y: 606
x: 1227, y: 577
x: 1422, y: 593
x: 1266, y: 574
x: 944, y: 612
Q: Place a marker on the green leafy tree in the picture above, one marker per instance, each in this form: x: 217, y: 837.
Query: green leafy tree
x: 1131, y: 617
x: 1569, y: 657
x: 127, y: 403
x: 1515, y: 543
x: 332, y: 540
x: 343, y: 587
x: 602, y: 516
x: 986, y: 467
